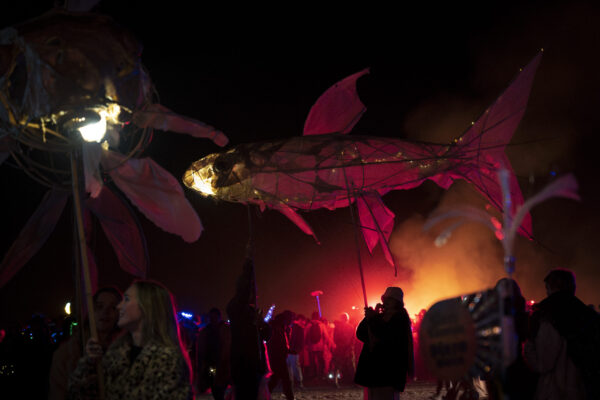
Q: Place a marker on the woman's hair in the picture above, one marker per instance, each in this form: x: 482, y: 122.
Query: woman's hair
x: 158, y: 313
x: 159, y: 317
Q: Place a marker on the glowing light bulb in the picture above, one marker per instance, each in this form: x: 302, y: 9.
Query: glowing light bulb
x: 95, y: 131
x: 68, y: 308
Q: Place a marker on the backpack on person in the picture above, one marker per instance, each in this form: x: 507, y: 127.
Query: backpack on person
x: 314, y: 333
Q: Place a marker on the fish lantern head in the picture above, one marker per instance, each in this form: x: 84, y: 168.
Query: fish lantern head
x: 200, y: 175
x: 221, y: 175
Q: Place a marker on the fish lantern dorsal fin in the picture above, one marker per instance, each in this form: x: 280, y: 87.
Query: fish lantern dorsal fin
x: 338, y: 109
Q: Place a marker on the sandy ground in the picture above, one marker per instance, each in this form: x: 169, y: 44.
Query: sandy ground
x: 414, y: 391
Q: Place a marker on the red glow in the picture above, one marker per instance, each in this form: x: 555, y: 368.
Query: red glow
x: 373, y: 301
x: 499, y: 234
x: 345, y: 294
x: 496, y: 223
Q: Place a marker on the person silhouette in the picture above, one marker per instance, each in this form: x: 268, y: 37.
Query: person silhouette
x: 387, y: 358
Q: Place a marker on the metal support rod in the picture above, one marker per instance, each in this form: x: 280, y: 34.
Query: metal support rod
x: 250, y: 255
x: 75, y: 165
x: 77, y: 308
x: 82, y: 243
x: 360, y: 268
x: 254, y: 290
x: 356, y: 238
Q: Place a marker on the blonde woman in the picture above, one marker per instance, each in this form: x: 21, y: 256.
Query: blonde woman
x: 147, y: 361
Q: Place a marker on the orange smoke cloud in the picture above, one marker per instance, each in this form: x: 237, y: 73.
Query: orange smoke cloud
x: 470, y: 261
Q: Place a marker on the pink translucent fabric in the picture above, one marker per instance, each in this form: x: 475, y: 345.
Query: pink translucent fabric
x: 34, y: 234
x: 377, y: 223
x: 159, y: 117
x: 337, y: 110
x: 486, y: 139
x: 296, y: 219
x: 91, y: 259
x: 156, y: 193
x: 122, y: 231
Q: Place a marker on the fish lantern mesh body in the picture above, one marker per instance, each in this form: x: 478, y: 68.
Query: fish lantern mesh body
x: 325, y: 171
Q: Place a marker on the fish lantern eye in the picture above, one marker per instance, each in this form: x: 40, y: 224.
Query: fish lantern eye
x: 222, y: 165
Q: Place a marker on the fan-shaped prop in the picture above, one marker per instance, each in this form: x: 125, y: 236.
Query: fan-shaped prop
x: 466, y: 336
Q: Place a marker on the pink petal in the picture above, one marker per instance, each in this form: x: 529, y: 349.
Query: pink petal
x: 159, y: 117
x: 122, y: 231
x: 34, y: 234
x: 156, y: 193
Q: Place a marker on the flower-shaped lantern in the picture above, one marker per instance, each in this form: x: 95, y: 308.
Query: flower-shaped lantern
x: 76, y: 104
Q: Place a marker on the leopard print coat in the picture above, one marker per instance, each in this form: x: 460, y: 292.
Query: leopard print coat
x: 157, y: 373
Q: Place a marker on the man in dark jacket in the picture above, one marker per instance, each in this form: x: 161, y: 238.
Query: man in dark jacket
x: 213, y: 346
x: 296, y: 348
x: 564, y: 342
x: 387, y: 354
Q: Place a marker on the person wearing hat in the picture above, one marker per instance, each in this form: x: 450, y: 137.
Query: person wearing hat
x: 387, y: 357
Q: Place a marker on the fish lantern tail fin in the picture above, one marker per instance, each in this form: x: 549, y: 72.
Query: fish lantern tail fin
x: 485, y: 141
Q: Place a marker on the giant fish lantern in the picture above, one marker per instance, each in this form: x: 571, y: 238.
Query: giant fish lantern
x: 327, y: 169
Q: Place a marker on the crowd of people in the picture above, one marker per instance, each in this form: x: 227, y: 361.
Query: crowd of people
x: 142, y: 350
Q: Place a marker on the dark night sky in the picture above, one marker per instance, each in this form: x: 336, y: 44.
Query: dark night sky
x: 255, y: 75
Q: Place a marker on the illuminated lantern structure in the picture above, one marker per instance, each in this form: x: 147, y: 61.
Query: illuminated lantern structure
x: 327, y: 168
x: 77, y: 110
